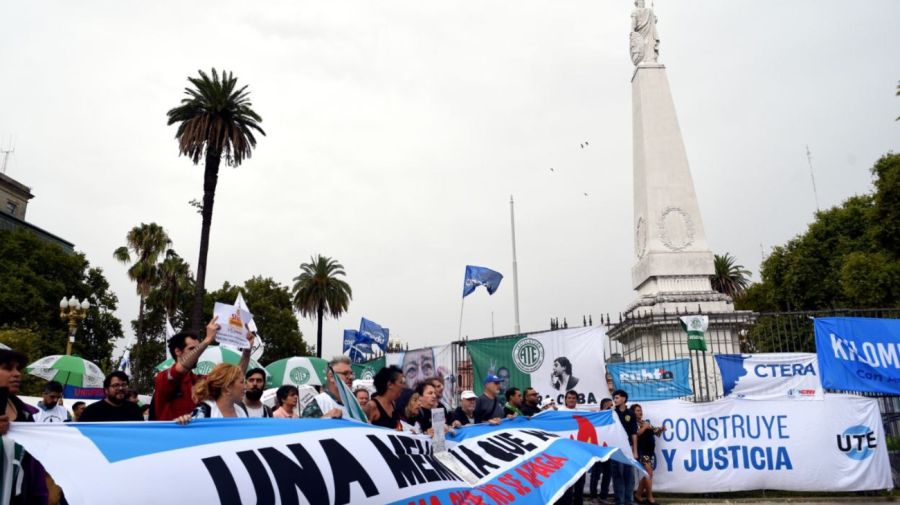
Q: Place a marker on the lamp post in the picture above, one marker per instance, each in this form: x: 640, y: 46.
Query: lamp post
x: 73, y: 312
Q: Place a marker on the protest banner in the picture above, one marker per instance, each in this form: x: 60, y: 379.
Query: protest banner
x: 652, y: 380
x: 859, y: 354
x: 552, y: 362
x: 775, y: 376
x: 232, y: 325
x: 233, y: 461
x: 427, y: 363
x: 836, y: 444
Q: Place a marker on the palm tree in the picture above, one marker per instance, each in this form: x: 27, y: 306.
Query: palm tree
x: 730, y: 278
x: 175, y: 281
x: 214, y: 121
x: 147, y: 242
x: 318, y: 290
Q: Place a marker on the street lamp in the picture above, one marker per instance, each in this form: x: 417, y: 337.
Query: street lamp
x: 72, y: 311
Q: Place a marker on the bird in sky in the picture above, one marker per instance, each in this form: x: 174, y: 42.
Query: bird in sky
x: 551, y: 169
x: 585, y: 194
x: 585, y: 143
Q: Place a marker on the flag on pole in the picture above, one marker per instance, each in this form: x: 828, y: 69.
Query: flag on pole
x: 374, y: 333
x: 239, y: 303
x: 356, y: 346
x: 695, y: 326
x: 354, y: 410
x: 170, y: 331
x: 481, y: 276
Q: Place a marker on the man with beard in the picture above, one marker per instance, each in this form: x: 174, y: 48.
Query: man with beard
x: 531, y: 404
x: 255, y: 383
x: 465, y: 413
x: 115, y: 407
x: 50, y: 409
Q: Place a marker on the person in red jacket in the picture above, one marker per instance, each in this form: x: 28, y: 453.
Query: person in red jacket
x: 172, y: 387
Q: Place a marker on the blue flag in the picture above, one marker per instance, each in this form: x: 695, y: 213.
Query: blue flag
x: 374, y: 333
x: 480, y: 276
x: 353, y: 340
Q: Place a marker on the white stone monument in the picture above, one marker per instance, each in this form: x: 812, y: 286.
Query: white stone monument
x: 672, y: 259
x: 673, y: 262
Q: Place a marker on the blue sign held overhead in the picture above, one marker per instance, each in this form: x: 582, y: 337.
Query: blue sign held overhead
x: 859, y: 354
x: 652, y: 380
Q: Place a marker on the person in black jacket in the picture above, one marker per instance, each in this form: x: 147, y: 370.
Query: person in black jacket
x: 465, y: 413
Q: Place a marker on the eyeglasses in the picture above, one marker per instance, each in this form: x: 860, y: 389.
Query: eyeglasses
x: 348, y: 372
x: 120, y: 385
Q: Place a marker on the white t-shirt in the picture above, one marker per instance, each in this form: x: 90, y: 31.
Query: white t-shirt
x: 57, y: 414
x: 321, y: 404
x: 215, y: 413
x: 254, y: 412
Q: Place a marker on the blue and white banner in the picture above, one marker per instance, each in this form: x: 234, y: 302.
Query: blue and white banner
x: 859, y: 354
x: 233, y: 461
x: 652, y: 380
x: 837, y: 444
x: 775, y: 376
x: 373, y: 333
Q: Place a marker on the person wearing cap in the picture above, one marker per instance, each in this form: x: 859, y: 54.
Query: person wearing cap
x: 548, y: 404
x: 488, y: 407
x: 465, y: 413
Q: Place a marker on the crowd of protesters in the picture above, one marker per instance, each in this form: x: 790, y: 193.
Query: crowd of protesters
x: 232, y: 391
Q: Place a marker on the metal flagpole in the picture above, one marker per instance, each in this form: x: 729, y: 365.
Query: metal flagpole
x: 461, y: 306
x: 512, y: 220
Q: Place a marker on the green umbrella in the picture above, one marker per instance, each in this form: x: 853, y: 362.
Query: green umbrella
x: 211, y: 357
x: 297, y: 371
x: 67, y: 370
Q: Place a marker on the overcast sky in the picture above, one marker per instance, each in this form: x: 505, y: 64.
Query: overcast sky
x: 397, y: 132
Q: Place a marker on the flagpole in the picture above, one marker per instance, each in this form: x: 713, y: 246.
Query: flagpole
x: 512, y: 219
x: 461, y: 306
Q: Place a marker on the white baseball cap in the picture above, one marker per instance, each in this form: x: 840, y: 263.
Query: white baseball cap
x: 547, y: 401
x: 468, y: 395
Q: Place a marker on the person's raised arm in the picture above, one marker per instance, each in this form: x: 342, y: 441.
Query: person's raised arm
x: 189, y: 359
x: 245, y: 354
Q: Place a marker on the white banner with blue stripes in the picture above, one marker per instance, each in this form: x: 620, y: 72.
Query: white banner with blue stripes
x: 234, y: 461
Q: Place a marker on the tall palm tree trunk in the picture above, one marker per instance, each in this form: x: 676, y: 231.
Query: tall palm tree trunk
x: 210, y: 179
x: 320, y: 314
x: 136, y: 368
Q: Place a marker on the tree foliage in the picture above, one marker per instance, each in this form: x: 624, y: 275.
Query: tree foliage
x: 320, y: 290
x: 270, y: 304
x: 34, y: 276
x: 730, y: 278
x: 216, y: 119
x: 849, y: 257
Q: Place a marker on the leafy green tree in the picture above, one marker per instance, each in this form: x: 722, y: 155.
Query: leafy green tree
x: 148, y: 242
x: 215, y: 120
x: 34, y: 276
x: 320, y: 290
x: 730, y: 278
x: 847, y: 258
x: 270, y: 303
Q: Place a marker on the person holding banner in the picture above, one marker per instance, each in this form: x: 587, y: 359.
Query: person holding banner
x: 328, y: 402
x: 173, y: 386
x: 622, y: 474
x: 421, y: 414
x: 382, y: 411
x: 488, y: 407
x: 218, y: 395
x: 646, y: 447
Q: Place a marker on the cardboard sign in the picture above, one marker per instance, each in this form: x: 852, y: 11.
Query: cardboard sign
x: 232, y: 325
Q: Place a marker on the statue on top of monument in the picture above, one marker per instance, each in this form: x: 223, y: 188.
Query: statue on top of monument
x: 644, y: 41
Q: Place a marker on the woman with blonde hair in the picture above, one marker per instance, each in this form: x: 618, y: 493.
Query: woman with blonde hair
x: 218, y: 395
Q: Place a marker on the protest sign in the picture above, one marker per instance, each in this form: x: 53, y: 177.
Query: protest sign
x: 552, y: 362
x: 859, y: 354
x: 327, y: 461
x: 232, y: 325
x: 837, y: 444
x: 652, y: 380
x: 775, y: 376
x: 427, y: 363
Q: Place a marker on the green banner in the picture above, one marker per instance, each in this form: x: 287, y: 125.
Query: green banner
x: 495, y: 356
x: 367, y: 370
